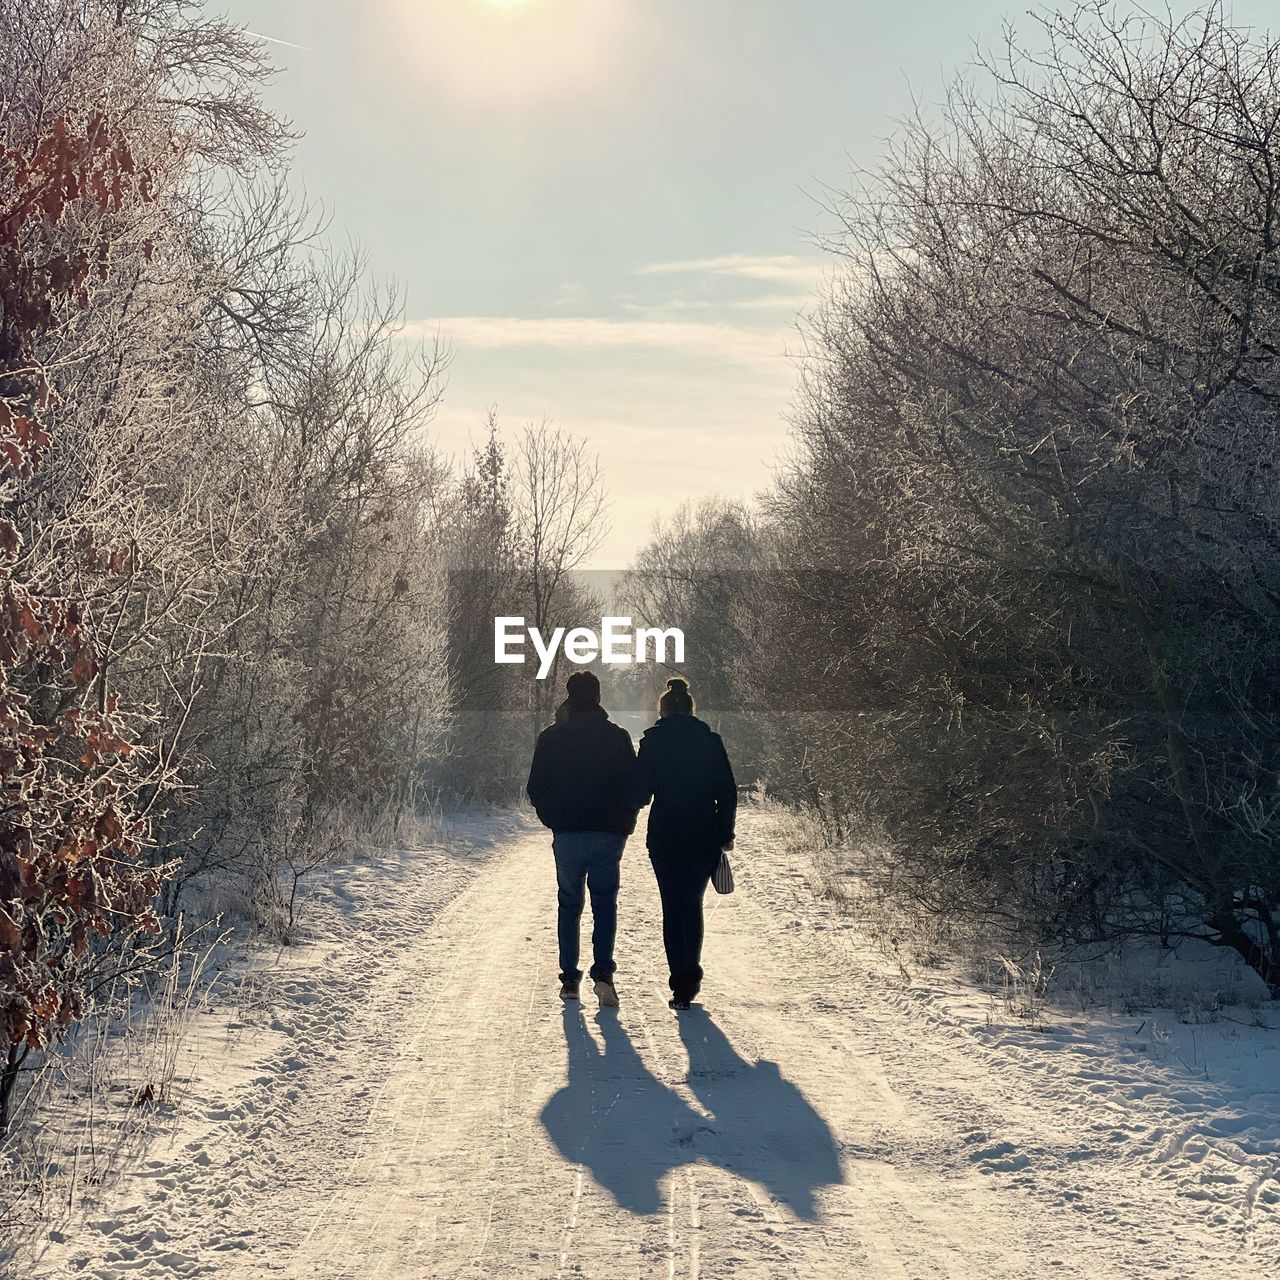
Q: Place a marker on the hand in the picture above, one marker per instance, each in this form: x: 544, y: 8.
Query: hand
x: 727, y: 848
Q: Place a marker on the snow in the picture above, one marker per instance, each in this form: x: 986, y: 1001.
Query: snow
x: 405, y: 1096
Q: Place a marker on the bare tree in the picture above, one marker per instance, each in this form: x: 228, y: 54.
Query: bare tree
x: 93, y: 154
x: 697, y: 572
x: 560, y: 504
x: 1034, y: 526
x: 219, y: 534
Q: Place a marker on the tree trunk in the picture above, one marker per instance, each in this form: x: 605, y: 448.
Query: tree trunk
x: 8, y: 1080
x: 1265, y: 963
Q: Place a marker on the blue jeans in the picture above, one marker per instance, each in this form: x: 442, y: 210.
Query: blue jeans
x: 590, y: 859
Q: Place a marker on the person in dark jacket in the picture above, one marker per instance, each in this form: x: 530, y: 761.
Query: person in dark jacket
x: 684, y: 769
x: 579, y: 784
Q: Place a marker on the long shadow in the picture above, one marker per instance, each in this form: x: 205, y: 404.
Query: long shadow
x: 615, y: 1117
x: 764, y: 1128
x: 629, y: 1129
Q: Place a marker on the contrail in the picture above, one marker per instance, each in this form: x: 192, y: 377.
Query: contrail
x: 288, y: 44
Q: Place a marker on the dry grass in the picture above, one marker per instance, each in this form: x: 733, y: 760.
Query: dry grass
x: 84, y: 1111
x: 1023, y: 979
x: 855, y: 872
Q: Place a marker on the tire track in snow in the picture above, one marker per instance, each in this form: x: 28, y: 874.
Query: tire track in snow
x: 403, y: 1128
x: 222, y: 1160
x: 1075, y: 1124
x: 363, y: 1165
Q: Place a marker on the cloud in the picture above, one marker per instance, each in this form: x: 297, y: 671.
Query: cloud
x: 732, y: 344
x: 789, y: 302
x: 786, y: 268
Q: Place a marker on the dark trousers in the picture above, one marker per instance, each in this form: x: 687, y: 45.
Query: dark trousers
x: 587, y: 861
x: 681, y: 885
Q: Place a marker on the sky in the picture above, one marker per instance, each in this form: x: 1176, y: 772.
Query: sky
x: 607, y: 209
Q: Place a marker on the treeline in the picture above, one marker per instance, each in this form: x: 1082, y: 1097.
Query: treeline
x: 239, y: 593
x: 1017, y: 595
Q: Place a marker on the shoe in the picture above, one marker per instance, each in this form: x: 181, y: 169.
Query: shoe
x: 679, y: 1005
x: 606, y: 993
x: 569, y: 989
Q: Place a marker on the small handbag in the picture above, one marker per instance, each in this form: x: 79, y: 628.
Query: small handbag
x: 722, y: 879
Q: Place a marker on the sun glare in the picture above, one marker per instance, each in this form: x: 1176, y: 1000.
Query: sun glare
x: 512, y: 51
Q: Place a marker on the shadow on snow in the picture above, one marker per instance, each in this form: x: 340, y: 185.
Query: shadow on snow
x: 615, y: 1117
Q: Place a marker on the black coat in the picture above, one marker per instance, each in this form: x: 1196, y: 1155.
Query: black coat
x: 582, y: 774
x: 684, y: 769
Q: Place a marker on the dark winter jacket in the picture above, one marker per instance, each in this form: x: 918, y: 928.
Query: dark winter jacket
x: 583, y: 773
x: 684, y: 769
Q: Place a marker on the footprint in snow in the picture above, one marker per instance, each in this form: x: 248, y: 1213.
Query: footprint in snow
x: 1003, y: 1157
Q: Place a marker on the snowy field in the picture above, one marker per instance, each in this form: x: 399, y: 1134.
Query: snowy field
x: 405, y: 1096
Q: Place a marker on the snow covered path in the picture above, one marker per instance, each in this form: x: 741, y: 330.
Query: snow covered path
x: 423, y: 1106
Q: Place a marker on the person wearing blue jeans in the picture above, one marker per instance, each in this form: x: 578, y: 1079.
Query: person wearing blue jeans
x: 592, y: 859
x: 580, y: 783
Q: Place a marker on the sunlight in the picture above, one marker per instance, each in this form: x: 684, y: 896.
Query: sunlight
x: 496, y: 51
